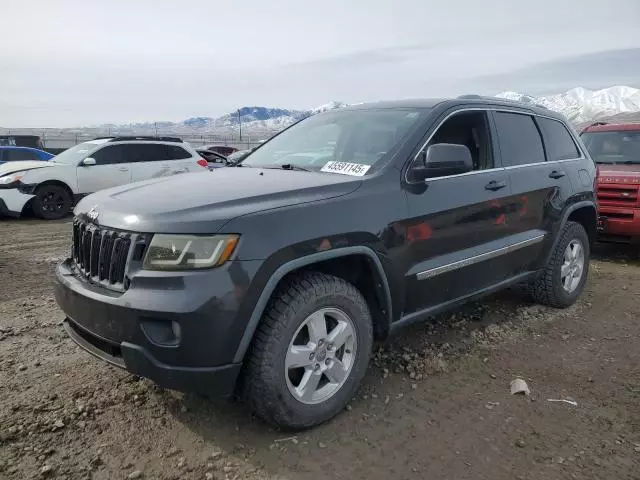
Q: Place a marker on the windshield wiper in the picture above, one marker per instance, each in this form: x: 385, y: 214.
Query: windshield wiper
x: 291, y: 166
x: 286, y: 166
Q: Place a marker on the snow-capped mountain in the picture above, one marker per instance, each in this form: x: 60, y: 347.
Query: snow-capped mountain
x: 582, y: 105
x: 253, y: 119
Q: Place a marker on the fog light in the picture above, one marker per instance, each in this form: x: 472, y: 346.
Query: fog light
x: 165, y: 333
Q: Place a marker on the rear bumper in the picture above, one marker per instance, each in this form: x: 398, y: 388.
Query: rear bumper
x: 619, y: 224
x: 12, y: 201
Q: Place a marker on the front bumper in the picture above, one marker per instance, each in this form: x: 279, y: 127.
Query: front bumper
x: 619, y: 224
x: 180, y: 330
x: 12, y: 201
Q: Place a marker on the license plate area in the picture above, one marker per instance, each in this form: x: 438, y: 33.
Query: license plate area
x: 601, y: 224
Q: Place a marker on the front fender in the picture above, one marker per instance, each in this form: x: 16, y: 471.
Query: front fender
x: 296, y: 264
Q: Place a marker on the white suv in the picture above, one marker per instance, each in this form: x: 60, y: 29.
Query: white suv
x: 54, y: 186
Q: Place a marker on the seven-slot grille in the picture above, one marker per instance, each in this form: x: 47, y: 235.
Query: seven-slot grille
x: 101, y: 254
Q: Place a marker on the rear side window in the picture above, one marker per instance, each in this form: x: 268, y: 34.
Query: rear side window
x: 520, y: 141
x: 558, y: 140
x: 110, y: 155
x: 156, y: 152
x: 17, y: 155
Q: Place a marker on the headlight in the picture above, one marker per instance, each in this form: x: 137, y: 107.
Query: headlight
x: 188, y: 252
x: 11, y: 178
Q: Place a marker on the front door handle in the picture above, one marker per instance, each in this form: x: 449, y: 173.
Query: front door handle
x: 557, y: 174
x: 123, y: 169
x: 494, y: 185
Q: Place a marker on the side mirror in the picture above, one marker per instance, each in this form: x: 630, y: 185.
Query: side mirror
x: 443, y: 159
x: 87, y: 162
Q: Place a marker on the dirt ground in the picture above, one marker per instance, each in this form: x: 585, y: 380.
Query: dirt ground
x: 435, y: 403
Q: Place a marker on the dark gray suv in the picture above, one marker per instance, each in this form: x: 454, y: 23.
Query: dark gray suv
x: 272, y: 277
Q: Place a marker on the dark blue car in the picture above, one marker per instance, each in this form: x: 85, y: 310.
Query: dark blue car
x: 13, y: 154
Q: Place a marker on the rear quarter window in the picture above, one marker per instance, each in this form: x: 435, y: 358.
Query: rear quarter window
x: 558, y: 141
x: 174, y: 152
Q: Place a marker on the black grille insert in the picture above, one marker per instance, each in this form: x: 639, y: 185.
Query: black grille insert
x: 101, y: 254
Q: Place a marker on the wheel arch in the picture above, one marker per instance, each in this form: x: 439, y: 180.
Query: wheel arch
x: 584, y: 213
x: 375, y: 287
x: 58, y: 183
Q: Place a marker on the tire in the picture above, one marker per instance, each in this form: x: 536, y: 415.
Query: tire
x: 51, y: 202
x: 272, y: 384
x: 550, y: 288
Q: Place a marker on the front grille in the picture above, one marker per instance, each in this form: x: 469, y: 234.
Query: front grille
x: 618, y: 195
x: 101, y: 255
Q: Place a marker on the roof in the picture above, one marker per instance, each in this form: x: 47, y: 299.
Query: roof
x: 20, y: 147
x: 613, y: 127
x: 452, y: 102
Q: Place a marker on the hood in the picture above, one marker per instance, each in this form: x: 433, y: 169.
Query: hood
x: 619, y: 173
x: 20, y: 166
x: 203, y: 202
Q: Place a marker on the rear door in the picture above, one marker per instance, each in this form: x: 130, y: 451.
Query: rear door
x: 539, y: 180
x: 112, y: 168
x: 151, y: 160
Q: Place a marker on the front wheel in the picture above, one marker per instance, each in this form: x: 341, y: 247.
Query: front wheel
x: 51, y: 202
x: 310, y: 352
x: 565, y: 275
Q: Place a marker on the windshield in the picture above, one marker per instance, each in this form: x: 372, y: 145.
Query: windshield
x: 621, y: 147
x: 75, y: 155
x: 356, y: 137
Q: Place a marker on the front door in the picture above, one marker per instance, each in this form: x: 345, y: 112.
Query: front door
x: 456, y: 228
x: 111, y: 170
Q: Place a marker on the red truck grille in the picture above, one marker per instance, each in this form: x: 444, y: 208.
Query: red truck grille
x: 618, y: 195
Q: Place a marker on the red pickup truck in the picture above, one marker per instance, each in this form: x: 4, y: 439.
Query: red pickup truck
x: 616, y: 150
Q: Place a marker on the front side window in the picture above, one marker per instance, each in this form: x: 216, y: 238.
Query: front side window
x: 363, y: 137
x: 110, y: 155
x: 621, y: 147
x: 520, y: 141
x: 470, y: 129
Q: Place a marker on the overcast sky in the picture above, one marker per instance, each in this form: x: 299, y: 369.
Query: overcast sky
x: 81, y: 62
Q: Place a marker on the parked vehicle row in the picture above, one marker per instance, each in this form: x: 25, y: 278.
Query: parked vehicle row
x: 53, y: 187
x: 272, y: 277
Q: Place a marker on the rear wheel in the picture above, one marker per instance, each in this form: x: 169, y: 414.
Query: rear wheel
x: 310, y: 352
x: 565, y: 274
x: 51, y: 202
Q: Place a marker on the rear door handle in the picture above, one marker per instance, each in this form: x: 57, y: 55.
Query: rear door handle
x: 494, y: 185
x: 123, y: 169
x: 557, y: 174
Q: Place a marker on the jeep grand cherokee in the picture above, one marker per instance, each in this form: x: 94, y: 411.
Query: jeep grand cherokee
x: 272, y: 278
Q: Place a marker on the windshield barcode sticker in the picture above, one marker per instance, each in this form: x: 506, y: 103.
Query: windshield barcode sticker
x: 346, y: 168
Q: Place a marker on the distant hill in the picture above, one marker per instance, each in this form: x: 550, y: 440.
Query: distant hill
x: 581, y: 105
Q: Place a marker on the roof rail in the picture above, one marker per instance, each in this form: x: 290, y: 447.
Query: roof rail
x: 499, y: 99
x: 159, y: 139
